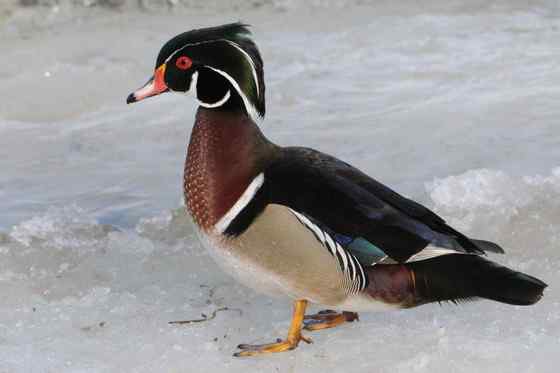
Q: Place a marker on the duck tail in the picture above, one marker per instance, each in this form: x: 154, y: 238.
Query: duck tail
x: 458, y: 277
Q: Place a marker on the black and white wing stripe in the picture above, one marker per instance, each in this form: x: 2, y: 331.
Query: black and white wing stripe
x: 355, y: 277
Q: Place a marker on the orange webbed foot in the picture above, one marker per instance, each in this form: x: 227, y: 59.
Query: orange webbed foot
x: 328, y: 319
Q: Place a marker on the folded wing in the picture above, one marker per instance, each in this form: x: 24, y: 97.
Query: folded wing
x: 357, y: 207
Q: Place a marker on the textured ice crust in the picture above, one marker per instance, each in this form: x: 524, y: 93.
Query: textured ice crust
x: 96, y: 256
x: 79, y: 296
x: 493, y: 192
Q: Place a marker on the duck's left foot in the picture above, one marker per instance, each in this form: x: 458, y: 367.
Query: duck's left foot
x: 328, y: 319
x: 294, y: 336
x: 279, y: 346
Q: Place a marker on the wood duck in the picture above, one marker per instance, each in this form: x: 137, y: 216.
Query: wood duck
x: 297, y: 222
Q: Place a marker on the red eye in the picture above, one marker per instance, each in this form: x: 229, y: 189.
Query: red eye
x: 183, y: 62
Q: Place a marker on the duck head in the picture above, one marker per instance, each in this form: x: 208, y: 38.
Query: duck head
x: 220, y: 65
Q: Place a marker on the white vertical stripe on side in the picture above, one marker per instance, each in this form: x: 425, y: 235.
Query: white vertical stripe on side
x: 240, y: 204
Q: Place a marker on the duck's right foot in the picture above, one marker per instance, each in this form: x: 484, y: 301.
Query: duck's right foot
x: 328, y: 319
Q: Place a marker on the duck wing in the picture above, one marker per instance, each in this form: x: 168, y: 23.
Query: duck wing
x: 367, y: 214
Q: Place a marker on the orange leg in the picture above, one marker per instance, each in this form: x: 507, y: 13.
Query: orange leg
x: 291, y: 342
x: 328, y: 319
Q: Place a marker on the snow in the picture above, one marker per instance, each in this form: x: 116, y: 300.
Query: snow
x: 453, y: 103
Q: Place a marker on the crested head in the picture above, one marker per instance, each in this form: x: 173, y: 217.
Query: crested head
x: 221, y: 65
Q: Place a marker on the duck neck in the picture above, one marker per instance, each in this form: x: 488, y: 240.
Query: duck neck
x: 226, y: 152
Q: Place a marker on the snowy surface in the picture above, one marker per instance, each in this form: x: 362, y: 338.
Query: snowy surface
x: 454, y: 103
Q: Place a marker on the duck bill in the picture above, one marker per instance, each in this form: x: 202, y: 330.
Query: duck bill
x: 155, y: 86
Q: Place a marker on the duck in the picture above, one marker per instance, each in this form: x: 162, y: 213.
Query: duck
x: 301, y: 224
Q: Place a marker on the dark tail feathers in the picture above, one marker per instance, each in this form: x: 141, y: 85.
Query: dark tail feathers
x: 458, y: 277
x: 488, y: 246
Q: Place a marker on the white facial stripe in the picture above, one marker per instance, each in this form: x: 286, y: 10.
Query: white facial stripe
x: 188, y: 45
x: 248, y: 106
x: 251, y: 62
x: 241, y: 203
x: 193, y: 89
x: 217, y: 103
x: 235, y: 45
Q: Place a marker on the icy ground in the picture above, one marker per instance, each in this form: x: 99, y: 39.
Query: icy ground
x: 454, y: 103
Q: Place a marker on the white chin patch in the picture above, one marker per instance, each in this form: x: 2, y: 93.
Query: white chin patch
x: 251, y: 110
x: 209, y: 105
x: 218, y: 103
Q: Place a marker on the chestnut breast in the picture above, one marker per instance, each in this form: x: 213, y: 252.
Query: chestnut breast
x: 226, y: 152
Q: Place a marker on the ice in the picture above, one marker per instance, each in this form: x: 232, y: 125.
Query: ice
x: 454, y: 103
x: 493, y: 191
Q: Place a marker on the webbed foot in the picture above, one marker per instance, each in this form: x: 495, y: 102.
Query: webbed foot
x: 328, y: 319
x: 278, y: 346
x: 291, y: 342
